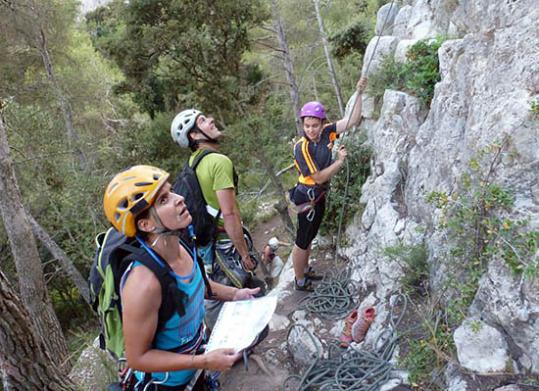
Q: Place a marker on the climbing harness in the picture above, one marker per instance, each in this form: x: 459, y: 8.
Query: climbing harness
x: 351, y: 369
x: 339, y: 230
x: 334, y: 297
x: 308, y: 207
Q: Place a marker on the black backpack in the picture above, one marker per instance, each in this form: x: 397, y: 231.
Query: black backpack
x: 187, y: 185
x: 114, y: 254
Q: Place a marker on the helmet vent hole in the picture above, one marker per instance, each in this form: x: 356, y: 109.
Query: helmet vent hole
x: 124, y: 204
x: 141, y: 184
x: 117, y: 216
x: 138, y: 196
x: 156, y: 177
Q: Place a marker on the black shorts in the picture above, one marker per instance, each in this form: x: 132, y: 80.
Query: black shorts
x: 307, y: 230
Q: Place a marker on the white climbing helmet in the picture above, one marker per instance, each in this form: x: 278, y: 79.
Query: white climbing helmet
x: 181, y: 125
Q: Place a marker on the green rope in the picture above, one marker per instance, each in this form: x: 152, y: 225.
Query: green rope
x: 351, y: 369
x: 333, y: 297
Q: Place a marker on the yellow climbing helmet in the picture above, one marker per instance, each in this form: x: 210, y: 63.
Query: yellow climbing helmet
x: 130, y: 193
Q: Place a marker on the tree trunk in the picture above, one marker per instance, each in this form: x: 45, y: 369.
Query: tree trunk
x: 24, y: 359
x: 331, y: 68
x: 71, y: 133
x: 282, y: 204
x: 288, y: 65
x: 27, y: 262
x: 67, y: 265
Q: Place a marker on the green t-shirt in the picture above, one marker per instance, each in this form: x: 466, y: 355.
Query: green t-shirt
x: 214, y: 172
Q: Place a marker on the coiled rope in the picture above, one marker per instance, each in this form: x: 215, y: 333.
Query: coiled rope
x: 351, y: 369
x: 334, y: 297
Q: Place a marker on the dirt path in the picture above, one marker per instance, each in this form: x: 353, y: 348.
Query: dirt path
x: 273, y: 350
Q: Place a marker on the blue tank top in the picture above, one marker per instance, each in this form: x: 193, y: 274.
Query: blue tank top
x: 178, y: 330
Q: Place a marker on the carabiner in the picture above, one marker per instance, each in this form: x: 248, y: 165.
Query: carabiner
x: 310, y: 215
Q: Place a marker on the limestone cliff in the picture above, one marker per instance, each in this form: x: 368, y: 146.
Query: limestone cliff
x: 489, y: 68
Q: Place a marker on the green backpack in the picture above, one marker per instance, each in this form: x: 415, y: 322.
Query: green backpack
x: 114, y: 253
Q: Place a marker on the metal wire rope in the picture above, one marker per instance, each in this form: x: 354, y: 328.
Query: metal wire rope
x: 348, y: 123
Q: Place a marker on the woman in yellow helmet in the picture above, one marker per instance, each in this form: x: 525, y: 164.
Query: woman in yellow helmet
x: 139, y: 203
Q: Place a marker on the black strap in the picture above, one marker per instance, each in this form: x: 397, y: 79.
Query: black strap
x: 200, y: 263
x: 173, y: 299
x: 205, y: 152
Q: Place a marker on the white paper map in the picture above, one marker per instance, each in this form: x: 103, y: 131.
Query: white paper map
x: 239, y: 323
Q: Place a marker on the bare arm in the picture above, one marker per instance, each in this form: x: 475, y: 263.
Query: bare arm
x: 233, y: 227
x: 325, y: 175
x: 228, y: 293
x: 141, y: 299
x: 354, y: 118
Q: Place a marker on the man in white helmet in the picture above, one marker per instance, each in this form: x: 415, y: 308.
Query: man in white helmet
x: 218, y: 182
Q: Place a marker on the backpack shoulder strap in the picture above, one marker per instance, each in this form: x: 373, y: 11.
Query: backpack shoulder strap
x: 202, y: 154
x: 173, y: 299
x: 194, y: 255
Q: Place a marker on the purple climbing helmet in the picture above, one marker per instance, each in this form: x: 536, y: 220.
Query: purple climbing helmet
x: 313, y: 109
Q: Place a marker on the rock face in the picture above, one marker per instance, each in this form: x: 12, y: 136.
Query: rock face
x: 489, y: 74
x: 481, y: 348
x: 94, y: 370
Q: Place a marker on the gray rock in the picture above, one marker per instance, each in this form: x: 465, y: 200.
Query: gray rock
x: 386, y: 47
x: 402, y: 49
x: 302, y: 348
x: 93, y: 370
x: 385, y: 18
x: 481, y: 348
x: 511, y: 387
x: 401, y: 22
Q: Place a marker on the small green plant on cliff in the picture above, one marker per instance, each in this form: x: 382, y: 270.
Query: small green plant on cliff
x: 416, y: 268
x: 417, y: 76
x: 359, y: 158
x: 477, y: 224
x: 534, y: 108
x: 476, y: 219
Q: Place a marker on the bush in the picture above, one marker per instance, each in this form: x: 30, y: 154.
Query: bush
x: 416, y: 267
x: 417, y: 76
x: 359, y: 156
x: 534, y: 108
x: 355, y: 37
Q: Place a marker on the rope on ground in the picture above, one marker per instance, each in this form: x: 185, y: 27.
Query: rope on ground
x: 333, y: 297
x: 351, y: 369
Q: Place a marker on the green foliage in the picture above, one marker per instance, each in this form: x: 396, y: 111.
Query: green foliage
x: 423, y: 69
x: 476, y: 220
x: 359, y: 157
x: 534, y: 108
x: 355, y: 37
x: 417, y: 76
x: 391, y: 75
x: 177, y: 53
x: 478, y: 224
x: 428, y: 352
x: 416, y: 272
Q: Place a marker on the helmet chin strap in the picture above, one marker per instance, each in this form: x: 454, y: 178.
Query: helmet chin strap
x: 208, y: 138
x: 161, y: 230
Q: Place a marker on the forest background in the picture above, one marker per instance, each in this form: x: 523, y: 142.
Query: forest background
x: 83, y: 97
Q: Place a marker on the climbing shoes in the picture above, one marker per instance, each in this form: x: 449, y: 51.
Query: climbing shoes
x: 346, y: 335
x: 311, y: 275
x: 356, y: 326
x: 307, y: 287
